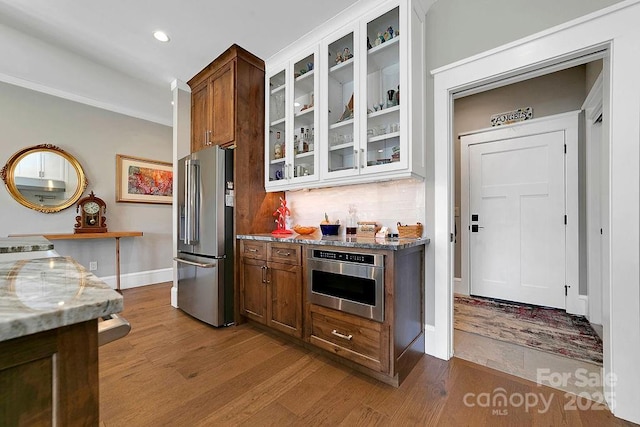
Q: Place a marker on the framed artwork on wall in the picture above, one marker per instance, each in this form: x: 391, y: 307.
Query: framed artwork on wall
x: 143, y: 181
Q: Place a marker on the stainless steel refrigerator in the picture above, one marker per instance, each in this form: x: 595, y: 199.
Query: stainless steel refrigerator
x: 205, y: 236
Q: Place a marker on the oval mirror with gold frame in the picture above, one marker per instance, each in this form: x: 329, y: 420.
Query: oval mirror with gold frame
x: 44, y: 178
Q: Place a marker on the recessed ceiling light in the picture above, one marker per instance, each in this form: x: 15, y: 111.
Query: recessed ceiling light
x: 161, y: 36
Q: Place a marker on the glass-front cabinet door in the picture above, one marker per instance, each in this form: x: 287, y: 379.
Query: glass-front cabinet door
x: 382, y: 149
x: 277, y: 125
x: 291, y: 158
x: 304, y: 163
x: 339, y: 87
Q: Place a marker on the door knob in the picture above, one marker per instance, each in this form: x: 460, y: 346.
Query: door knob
x: 474, y: 228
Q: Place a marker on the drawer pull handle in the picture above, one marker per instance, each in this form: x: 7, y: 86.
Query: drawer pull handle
x: 252, y: 250
x: 282, y: 253
x: 343, y: 336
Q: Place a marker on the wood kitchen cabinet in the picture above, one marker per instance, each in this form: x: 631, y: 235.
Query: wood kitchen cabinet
x: 276, y: 291
x: 51, y: 377
x: 386, y: 350
x: 271, y: 285
x: 227, y: 109
x: 213, y: 108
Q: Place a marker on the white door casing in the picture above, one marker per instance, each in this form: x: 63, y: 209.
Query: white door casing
x: 597, y: 199
x: 559, y: 249
x: 516, y: 196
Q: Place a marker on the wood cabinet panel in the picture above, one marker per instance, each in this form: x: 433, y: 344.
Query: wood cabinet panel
x: 255, y: 250
x: 26, y: 393
x: 286, y: 254
x: 253, y: 296
x: 199, y: 116
x: 222, y: 114
x: 271, y: 292
x: 354, y: 338
x: 285, y: 298
x: 51, y: 374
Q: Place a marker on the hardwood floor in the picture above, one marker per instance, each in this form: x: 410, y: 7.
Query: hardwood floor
x: 174, y: 370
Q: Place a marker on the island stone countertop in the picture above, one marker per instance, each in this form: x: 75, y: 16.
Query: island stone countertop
x: 24, y: 244
x: 341, y: 241
x: 47, y: 293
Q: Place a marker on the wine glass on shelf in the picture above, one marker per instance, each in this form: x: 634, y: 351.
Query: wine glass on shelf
x: 279, y: 105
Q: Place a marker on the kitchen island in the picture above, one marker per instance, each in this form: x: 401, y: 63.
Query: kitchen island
x: 357, y: 300
x: 49, y: 311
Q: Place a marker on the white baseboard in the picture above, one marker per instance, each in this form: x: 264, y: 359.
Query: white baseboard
x: 140, y: 278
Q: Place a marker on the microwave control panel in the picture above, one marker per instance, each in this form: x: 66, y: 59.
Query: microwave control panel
x: 351, y: 257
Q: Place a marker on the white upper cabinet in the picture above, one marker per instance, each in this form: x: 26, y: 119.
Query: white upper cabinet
x: 367, y: 115
x: 292, y: 117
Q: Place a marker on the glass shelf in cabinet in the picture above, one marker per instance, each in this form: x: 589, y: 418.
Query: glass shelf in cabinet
x: 342, y: 72
x: 383, y: 137
x: 341, y: 124
x: 305, y: 154
x: 304, y: 84
x: 277, y: 123
x: 278, y: 89
x: 384, y: 111
x: 341, y: 146
x: 383, y: 55
x: 304, y: 112
x: 276, y: 161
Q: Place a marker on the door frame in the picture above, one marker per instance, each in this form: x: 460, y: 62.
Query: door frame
x: 614, y: 26
x: 596, y: 201
x: 570, y: 124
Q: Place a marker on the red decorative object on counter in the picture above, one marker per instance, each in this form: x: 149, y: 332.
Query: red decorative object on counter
x: 282, y: 212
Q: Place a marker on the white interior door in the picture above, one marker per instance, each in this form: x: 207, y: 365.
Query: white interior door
x: 517, y: 229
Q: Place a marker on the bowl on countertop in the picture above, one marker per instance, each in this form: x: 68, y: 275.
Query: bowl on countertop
x: 330, y: 229
x: 304, y: 229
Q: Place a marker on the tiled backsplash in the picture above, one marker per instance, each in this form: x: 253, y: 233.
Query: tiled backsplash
x: 386, y: 202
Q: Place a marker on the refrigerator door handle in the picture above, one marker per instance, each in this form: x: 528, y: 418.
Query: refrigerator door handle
x: 197, y: 264
x: 187, y: 213
x: 192, y: 202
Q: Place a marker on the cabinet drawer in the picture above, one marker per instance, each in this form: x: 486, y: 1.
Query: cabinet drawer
x: 286, y: 254
x: 251, y: 249
x: 360, y: 340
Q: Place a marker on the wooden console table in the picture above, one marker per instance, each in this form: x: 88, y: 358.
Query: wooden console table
x: 108, y: 235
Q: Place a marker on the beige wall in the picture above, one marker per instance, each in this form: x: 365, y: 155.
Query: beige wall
x: 548, y: 95
x: 94, y: 136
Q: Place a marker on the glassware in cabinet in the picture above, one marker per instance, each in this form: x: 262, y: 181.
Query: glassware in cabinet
x: 304, y: 118
x: 383, y: 71
x: 342, y: 102
x: 276, y: 148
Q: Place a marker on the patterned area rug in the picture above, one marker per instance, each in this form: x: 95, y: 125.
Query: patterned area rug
x: 547, y: 329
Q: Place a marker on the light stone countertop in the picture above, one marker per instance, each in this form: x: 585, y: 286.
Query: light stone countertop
x: 24, y: 244
x: 46, y: 293
x: 340, y: 241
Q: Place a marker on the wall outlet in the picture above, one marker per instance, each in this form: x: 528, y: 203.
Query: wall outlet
x: 93, y: 265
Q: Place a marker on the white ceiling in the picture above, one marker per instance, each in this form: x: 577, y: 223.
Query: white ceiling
x: 91, y: 51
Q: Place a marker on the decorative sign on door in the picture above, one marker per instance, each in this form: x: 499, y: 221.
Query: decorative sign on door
x: 509, y: 117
